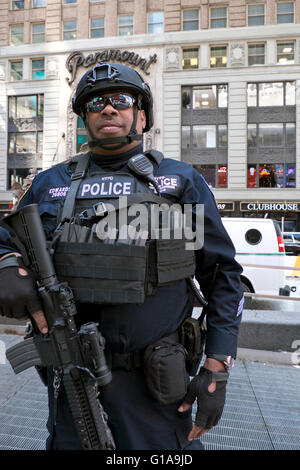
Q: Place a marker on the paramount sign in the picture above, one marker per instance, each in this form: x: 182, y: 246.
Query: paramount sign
x: 270, y: 206
x: 76, y: 59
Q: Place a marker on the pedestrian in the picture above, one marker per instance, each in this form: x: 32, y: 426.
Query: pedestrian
x: 139, y: 303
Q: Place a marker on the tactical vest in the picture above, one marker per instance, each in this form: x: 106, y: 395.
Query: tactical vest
x: 115, y: 269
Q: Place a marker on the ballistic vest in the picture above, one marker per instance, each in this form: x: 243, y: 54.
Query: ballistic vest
x: 118, y: 268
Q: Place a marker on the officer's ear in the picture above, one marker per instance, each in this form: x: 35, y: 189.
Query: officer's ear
x: 142, y: 118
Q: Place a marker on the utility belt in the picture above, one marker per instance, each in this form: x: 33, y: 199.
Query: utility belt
x: 167, y: 362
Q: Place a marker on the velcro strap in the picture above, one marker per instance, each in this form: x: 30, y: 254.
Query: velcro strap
x: 10, y: 261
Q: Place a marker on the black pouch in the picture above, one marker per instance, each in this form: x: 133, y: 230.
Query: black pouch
x: 165, y: 372
x: 192, y: 337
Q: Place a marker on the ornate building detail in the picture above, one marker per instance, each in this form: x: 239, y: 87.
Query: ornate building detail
x: 51, y: 67
x: 172, y: 58
x: 2, y: 71
x: 237, y: 54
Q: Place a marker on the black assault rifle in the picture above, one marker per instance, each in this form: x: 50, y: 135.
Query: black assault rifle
x: 76, y: 356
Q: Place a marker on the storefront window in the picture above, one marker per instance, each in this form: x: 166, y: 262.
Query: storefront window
x: 251, y: 176
x: 277, y: 175
x: 222, y: 176
x: 290, y: 175
x: 214, y: 175
x: 208, y: 172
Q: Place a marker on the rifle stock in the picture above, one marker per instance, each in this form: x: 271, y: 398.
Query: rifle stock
x: 79, y: 354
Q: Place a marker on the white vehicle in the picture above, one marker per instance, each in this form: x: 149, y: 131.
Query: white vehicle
x: 259, y: 242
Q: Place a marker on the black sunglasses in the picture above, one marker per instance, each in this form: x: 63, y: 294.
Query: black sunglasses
x: 118, y: 101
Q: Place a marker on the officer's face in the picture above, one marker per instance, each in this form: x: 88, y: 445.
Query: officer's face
x: 111, y: 122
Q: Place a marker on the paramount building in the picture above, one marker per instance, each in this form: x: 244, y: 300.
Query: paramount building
x: 224, y: 75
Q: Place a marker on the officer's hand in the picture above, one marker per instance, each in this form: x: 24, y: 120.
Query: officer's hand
x: 18, y: 296
x: 210, y: 402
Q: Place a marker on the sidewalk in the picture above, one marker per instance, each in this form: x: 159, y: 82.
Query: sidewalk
x: 262, y: 410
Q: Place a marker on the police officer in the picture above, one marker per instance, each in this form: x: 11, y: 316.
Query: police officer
x: 116, y: 106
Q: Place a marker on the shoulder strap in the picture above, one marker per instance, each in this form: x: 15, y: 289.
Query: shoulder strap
x: 155, y: 156
x: 82, y: 162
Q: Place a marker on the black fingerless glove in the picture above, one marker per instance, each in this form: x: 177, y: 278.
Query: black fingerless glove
x: 18, y: 295
x: 210, y: 404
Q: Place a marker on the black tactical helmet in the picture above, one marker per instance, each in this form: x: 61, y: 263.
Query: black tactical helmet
x: 107, y: 77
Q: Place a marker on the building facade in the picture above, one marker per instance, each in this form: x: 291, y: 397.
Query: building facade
x: 224, y: 75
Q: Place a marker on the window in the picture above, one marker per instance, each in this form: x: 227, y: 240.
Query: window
x: 256, y: 54
x: 16, y: 70
x: 156, y: 22
x: 271, y: 94
x: 190, y: 58
x: 285, y: 12
x: 16, y: 34
x: 17, y: 5
x: 272, y: 135
x: 69, y: 30
x: 218, y: 56
x: 190, y: 20
x: 256, y: 14
x: 204, y: 96
x: 272, y: 175
x: 97, y: 27
x: 218, y: 17
x: 214, y: 175
x: 285, y: 53
x: 39, y: 3
x: 30, y: 106
x: 125, y: 25
x: 37, y: 69
x: 81, y: 134
x: 204, y: 136
x: 66, y: 2
x: 38, y: 32
x: 24, y: 143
